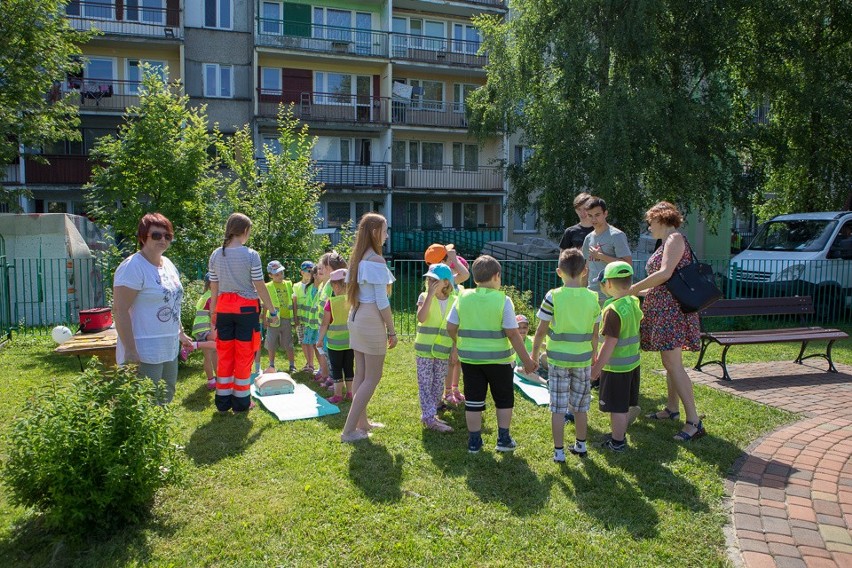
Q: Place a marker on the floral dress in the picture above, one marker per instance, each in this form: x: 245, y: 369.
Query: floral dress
x: 664, y: 326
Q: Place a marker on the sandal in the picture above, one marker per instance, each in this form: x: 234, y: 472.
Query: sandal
x: 699, y: 432
x: 458, y: 395
x: 656, y: 415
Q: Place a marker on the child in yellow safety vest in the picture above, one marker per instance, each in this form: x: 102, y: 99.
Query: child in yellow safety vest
x: 303, y: 297
x: 280, y: 335
x: 432, y: 345
x: 328, y: 263
x: 201, y: 328
x: 568, y: 317
x: 334, y: 331
x: 617, y: 363
x: 482, y: 325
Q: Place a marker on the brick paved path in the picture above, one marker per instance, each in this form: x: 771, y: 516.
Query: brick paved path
x: 792, y: 494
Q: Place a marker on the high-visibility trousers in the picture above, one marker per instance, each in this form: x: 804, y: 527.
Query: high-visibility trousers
x: 237, y: 341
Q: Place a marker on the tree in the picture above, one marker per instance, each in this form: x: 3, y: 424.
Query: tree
x: 626, y: 100
x: 160, y: 161
x: 281, y: 194
x: 794, y: 58
x: 38, y: 52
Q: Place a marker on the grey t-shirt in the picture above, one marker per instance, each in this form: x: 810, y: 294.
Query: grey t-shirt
x: 236, y: 270
x: 613, y: 242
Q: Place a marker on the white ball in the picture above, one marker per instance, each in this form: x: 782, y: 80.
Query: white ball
x: 61, y: 334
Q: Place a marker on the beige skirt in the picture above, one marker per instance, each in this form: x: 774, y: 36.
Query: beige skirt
x: 367, y: 331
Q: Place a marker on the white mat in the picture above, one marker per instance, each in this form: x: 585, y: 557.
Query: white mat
x: 301, y: 403
x: 536, y: 393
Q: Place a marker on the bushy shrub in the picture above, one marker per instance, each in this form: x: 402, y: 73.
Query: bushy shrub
x: 523, y: 303
x: 92, y: 453
x: 192, y: 290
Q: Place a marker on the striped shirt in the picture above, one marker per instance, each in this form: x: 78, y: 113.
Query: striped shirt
x: 236, y: 271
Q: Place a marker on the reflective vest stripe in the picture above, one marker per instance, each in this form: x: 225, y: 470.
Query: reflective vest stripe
x: 201, y: 322
x: 570, y: 357
x: 480, y: 334
x: 575, y: 337
x: 338, y: 333
x: 627, y: 341
x: 617, y: 361
x: 570, y: 334
x: 625, y: 356
x: 486, y: 356
x: 431, y: 340
x: 430, y: 330
x: 338, y: 328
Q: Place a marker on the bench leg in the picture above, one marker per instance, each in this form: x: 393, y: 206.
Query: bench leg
x: 724, y: 363
x: 705, y: 343
x: 799, y: 359
x: 826, y: 356
x: 831, y: 366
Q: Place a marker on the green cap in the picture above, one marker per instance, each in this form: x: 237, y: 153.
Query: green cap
x: 617, y: 269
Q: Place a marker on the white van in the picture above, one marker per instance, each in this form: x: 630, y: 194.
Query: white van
x: 798, y: 254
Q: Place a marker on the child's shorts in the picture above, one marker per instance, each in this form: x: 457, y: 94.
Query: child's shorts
x: 310, y: 336
x: 300, y: 333
x: 279, y: 337
x: 203, y: 336
x: 619, y: 391
x: 570, y: 388
x: 479, y: 378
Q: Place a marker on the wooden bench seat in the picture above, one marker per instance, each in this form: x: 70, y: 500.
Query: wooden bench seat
x: 795, y: 305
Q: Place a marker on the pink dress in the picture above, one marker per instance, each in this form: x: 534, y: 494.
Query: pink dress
x: 664, y: 327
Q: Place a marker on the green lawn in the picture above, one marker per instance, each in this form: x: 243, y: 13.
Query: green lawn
x: 263, y: 493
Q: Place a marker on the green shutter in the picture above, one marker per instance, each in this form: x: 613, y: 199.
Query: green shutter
x: 297, y: 19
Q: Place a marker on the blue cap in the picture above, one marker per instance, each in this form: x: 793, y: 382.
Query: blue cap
x: 439, y: 271
x: 307, y: 265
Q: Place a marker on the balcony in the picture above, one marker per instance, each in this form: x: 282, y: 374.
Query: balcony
x: 429, y: 113
x: 312, y: 107
x: 341, y: 175
x: 127, y: 19
x: 437, y: 51
x: 102, y: 95
x: 469, y: 241
x: 447, y: 178
x: 73, y: 170
x: 299, y: 36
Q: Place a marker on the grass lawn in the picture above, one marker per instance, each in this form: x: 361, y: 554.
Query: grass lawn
x: 259, y: 492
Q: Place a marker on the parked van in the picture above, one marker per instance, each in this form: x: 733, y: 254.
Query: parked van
x: 798, y: 254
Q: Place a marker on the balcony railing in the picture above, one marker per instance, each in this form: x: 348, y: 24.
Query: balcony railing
x: 131, y: 19
x: 494, y: 3
x: 342, y: 175
x: 300, y: 36
x: 327, y: 107
x: 103, y: 95
x: 469, y: 241
x: 439, y: 51
x: 429, y: 113
x: 62, y: 169
x: 449, y: 178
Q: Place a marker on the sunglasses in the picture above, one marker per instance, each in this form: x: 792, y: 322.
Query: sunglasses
x: 157, y: 235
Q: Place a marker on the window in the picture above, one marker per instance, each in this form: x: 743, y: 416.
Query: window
x: 525, y: 224
x: 345, y: 150
x: 273, y: 143
x: 522, y: 154
x: 465, y: 157
x: 98, y: 77
x: 460, y: 93
x: 431, y: 215
x: 433, y: 155
x: 427, y: 95
x: 270, y: 81
x: 218, y: 80
x: 147, y: 11
x: 271, y: 22
x: 361, y: 209
x: 337, y: 213
x: 134, y: 73
x: 465, y: 39
x: 100, y: 9
x: 465, y: 215
x: 217, y: 14
x: 337, y: 88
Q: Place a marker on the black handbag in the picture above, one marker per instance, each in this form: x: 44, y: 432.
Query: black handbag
x: 694, y: 285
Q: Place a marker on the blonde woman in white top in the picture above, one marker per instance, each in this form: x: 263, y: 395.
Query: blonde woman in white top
x: 371, y: 329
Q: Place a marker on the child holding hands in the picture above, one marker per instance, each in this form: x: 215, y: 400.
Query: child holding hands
x: 341, y: 357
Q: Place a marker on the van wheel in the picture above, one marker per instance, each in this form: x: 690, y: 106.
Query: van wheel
x: 830, y: 303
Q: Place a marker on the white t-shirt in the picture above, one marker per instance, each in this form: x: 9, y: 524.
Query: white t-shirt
x: 441, y: 303
x: 155, y: 313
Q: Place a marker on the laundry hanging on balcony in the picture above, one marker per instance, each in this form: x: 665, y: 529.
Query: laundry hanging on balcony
x: 402, y: 91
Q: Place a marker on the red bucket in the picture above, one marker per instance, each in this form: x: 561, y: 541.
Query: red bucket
x: 94, y: 320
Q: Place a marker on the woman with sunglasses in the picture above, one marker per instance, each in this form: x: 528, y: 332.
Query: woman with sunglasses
x: 147, y: 295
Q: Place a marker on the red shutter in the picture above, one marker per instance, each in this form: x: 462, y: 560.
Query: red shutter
x: 294, y: 82
x: 119, y: 10
x: 172, y: 13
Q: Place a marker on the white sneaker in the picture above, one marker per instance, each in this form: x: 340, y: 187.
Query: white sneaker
x: 559, y: 456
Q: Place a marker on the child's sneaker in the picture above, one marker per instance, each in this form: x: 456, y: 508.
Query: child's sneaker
x: 292, y: 369
x: 211, y: 384
x: 614, y: 446
x: 474, y: 445
x: 506, y: 444
x: 437, y: 426
x: 559, y: 456
x: 348, y: 396
x: 575, y: 449
x: 336, y: 399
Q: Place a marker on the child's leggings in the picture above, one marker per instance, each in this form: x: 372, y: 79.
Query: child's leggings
x: 237, y: 340
x: 430, y: 382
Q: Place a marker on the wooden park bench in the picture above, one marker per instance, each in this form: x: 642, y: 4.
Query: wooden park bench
x: 792, y: 305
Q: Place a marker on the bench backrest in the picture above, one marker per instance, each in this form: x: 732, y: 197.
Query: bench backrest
x: 799, y: 305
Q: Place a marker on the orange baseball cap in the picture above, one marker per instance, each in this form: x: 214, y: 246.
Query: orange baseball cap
x: 435, y: 254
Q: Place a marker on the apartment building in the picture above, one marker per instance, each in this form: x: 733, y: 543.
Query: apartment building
x: 381, y: 83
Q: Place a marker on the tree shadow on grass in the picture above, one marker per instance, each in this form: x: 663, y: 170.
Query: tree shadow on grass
x: 224, y: 436
x: 610, y: 498
x: 376, y: 472
x: 31, y: 543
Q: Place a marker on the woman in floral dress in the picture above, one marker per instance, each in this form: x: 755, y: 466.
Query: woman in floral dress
x: 665, y: 328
